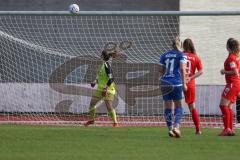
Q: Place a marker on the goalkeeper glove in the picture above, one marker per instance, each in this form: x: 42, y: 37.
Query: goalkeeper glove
x: 93, y: 84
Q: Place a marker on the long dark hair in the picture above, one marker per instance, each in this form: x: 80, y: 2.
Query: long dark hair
x: 188, y: 46
x: 233, y: 45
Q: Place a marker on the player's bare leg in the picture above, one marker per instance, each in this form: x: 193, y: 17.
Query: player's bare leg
x: 92, y: 111
x: 111, y: 112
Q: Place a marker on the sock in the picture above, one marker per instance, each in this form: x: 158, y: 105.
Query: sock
x: 168, y: 117
x: 230, y: 118
x: 226, y: 116
x: 178, y: 112
x: 195, y: 118
x: 113, y: 115
x: 92, y: 112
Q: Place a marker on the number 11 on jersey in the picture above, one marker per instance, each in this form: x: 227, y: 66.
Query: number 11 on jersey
x: 169, y: 66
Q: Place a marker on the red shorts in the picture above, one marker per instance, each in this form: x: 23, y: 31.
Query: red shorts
x: 231, y: 91
x: 190, y: 95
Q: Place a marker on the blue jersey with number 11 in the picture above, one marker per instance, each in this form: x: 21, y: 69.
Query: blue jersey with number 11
x: 171, y: 62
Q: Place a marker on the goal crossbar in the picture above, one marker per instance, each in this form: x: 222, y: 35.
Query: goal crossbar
x: 126, y: 13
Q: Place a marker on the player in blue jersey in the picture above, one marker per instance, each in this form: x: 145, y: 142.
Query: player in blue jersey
x: 172, y: 70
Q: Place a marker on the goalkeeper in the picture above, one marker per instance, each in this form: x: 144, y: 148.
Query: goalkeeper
x: 105, y: 89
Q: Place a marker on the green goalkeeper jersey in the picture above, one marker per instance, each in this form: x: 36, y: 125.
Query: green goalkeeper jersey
x: 105, y: 77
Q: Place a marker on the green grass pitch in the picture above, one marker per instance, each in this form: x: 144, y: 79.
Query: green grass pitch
x: 26, y: 142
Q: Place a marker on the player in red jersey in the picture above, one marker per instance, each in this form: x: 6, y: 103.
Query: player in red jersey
x: 193, y: 63
x: 232, y: 88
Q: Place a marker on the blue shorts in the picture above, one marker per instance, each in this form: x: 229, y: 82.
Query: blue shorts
x: 175, y: 94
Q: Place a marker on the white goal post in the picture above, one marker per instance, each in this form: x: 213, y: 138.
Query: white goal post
x: 48, y: 59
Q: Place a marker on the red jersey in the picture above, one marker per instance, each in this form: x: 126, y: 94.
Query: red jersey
x: 232, y: 63
x: 193, y: 63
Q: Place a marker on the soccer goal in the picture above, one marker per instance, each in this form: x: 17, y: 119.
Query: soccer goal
x: 48, y: 59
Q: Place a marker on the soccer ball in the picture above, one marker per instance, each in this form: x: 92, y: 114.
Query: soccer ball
x: 74, y: 8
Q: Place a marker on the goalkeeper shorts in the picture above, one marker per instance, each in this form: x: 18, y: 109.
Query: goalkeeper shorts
x: 109, y: 97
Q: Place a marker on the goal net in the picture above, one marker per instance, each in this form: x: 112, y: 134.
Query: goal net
x: 47, y: 62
